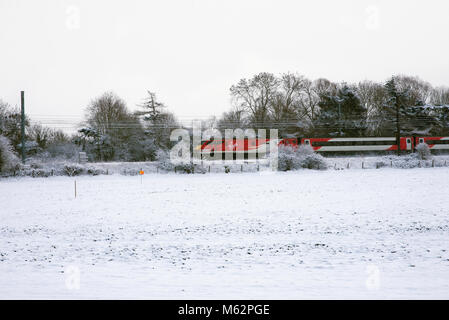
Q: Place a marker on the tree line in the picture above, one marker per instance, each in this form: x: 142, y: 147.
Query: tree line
x: 300, y: 107
x: 289, y: 102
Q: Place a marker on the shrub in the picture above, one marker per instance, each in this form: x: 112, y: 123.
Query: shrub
x: 302, y: 157
x: 305, y: 150
x: 93, y: 171
x: 163, y: 160
x: 423, y: 151
x: 73, y: 169
x: 185, y: 167
x: 8, y: 160
x: 313, y: 161
x: 287, y: 158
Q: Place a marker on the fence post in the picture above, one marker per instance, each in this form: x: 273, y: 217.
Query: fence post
x: 433, y: 163
x: 363, y: 165
x: 348, y: 165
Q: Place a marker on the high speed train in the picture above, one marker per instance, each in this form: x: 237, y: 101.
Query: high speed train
x: 255, y: 148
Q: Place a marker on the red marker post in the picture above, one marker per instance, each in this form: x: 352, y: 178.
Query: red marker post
x: 141, y: 172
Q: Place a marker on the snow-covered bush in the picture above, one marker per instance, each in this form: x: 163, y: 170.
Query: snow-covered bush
x: 423, y: 151
x: 40, y: 173
x: 314, y: 161
x: 94, y: 171
x: 304, y: 156
x: 73, y: 169
x: 36, y: 164
x: 8, y: 160
x: 185, y: 168
x: 305, y: 150
x: 407, y: 161
x: 287, y: 158
x: 163, y: 160
x: 164, y: 163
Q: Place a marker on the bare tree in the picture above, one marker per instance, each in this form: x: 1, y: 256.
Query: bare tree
x: 287, y: 99
x: 418, y: 91
x: 440, y: 96
x: 42, y: 135
x: 256, y: 95
x: 373, y: 96
x: 108, y: 115
x: 308, y: 102
x: 233, y: 119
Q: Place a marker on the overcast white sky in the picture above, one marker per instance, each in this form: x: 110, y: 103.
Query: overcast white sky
x: 64, y: 53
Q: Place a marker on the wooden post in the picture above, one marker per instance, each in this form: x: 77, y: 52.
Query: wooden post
x: 22, y: 126
x: 362, y: 165
x: 348, y: 165
x: 433, y: 163
x: 75, y: 188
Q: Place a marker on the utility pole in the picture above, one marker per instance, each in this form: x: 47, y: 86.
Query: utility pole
x: 22, y: 103
x: 339, y: 118
x: 398, y: 126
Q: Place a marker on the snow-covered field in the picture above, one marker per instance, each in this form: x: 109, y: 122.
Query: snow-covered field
x: 308, y: 234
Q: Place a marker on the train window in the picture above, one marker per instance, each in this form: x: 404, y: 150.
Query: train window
x: 307, y: 141
x: 421, y: 140
x: 408, y: 141
x: 438, y: 141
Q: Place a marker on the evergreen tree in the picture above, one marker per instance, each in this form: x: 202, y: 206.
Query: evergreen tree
x: 158, y: 121
x: 341, y: 114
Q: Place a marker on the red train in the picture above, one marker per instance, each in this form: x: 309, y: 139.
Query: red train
x: 374, y: 143
x: 250, y: 148
x: 260, y: 147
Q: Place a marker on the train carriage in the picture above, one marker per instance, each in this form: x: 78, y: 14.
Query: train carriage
x: 434, y: 143
x: 250, y: 148
x: 358, y: 144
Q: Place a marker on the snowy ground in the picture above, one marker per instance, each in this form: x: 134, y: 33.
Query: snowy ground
x: 308, y: 234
